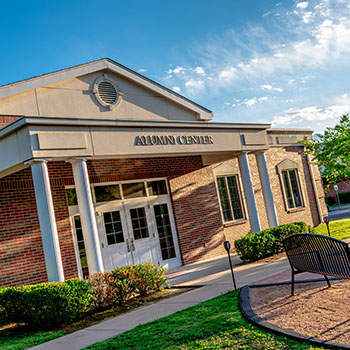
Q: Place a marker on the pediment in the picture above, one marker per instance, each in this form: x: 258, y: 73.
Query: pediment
x: 71, y: 92
x: 225, y: 169
x: 286, y: 164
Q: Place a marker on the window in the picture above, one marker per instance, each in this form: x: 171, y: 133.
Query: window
x: 230, y: 198
x: 107, y: 193
x: 292, y: 189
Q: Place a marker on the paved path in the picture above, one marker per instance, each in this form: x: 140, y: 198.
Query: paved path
x: 213, y: 277
x: 339, y: 214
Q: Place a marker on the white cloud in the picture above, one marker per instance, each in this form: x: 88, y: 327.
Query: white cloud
x: 229, y: 73
x: 321, y: 37
x: 302, y: 5
x: 271, y: 88
x: 311, y: 115
x: 176, y: 89
x: 142, y: 70
x: 199, y: 70
x: 194, y: 83
x: 251, y: 102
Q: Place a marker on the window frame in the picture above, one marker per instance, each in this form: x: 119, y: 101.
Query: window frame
x: 291, y: 189
x: 290, y: 165
x: 240, y: 196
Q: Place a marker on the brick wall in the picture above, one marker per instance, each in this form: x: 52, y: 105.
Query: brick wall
x: 6, y: 119
x: 194, y: 199
x: 21, y: 253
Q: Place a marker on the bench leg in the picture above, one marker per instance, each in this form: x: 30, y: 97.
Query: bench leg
x: 292, y: 282
x: 326, y: 278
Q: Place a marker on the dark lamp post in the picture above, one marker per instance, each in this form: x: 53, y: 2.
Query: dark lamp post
x: 326, y: 221
x: 227, y: 247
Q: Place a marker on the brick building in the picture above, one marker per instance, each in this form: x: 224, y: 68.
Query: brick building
x: 102, y: 167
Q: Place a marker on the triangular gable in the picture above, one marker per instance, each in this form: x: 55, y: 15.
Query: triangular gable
x: 286, y: 164
x: 102, y: 65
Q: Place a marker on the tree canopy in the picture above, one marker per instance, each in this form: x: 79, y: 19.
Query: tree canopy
x: 331, y: 151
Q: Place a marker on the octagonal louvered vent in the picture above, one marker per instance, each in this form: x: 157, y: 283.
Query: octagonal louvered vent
x: 107, y: 92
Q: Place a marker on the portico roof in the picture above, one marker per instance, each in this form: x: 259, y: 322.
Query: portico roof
x: 65, y: 138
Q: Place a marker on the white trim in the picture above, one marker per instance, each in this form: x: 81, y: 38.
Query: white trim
x: 241, y: 199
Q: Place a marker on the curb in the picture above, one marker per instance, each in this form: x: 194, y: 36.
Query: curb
x: 251, y: 316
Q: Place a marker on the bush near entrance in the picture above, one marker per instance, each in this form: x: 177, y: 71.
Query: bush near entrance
x: 262, y: 244
x: 48, y: 305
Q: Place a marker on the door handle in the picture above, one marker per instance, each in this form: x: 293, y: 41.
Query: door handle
x: 127, y: 245
x: 132, y: 245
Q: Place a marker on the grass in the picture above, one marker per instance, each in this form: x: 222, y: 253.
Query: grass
x: 339, y: 229
x: 215, y: 324
x: 19, y: 337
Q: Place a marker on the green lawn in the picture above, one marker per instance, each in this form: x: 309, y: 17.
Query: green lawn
x: 27, y: 339
x: 215, y: 324
x: 339, y: 229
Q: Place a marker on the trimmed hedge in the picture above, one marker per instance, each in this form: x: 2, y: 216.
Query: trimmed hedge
x: 344, y: 197
x: 47, y: 305
x: 262, y: 244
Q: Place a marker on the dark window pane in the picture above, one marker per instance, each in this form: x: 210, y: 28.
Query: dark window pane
x: 234, y: 197
x: 110, y: 239
x: 145, y: 233
x: 165, y: 234
x: 287, y: 189
x: 295, y: 188
x: 156, y: 188
x: 137, y: 234
x: 81, y: 245
x: 107, y: 193
x: 224, y: 199
x: 134, y: 190
x: 113, y: 227
x: 71, y: 196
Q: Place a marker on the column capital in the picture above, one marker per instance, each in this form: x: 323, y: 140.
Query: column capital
x: 37, y: 161
x: 77, y: 159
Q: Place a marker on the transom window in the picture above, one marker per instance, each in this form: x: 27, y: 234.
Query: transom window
x: 129, y: 190
x: 230, y: 198
x: 292, y: 189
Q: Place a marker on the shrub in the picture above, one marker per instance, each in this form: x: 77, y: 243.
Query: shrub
x: 344, y: 197
x: 47, y: 305
x: 255, y: 246
x: 150, y: 278
x: 104, y: 292
x: 123, y: 283
x: 329, y: 200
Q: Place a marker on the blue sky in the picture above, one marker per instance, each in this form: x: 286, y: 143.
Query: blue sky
x: 284, y: 62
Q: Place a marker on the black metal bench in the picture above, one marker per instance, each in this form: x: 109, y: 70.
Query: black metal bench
x: 309, y: 252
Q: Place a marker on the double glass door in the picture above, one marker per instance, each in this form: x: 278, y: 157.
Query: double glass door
x: 126, y: 234
x: 131, y: 230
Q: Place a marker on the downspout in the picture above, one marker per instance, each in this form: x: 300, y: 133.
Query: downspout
x: 314, y: 187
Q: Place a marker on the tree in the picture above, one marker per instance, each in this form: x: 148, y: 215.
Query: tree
x: 331, y: 151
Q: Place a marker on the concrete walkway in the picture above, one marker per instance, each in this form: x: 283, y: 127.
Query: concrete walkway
x: 213, y: 277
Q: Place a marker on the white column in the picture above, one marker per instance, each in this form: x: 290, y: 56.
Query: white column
x: 314, y: 187
x: 266, y: 189
x: 87, y: 215
x: 249, y: 192
x: 47, y: 220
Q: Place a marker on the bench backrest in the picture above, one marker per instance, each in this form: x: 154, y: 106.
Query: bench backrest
x: 319, y: 254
